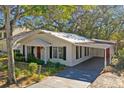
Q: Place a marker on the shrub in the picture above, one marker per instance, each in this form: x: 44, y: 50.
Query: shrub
x: 57, y: 65
x: 17, y: 72
x: 121, y: 54
x: 34, y: 77
x: 32, y: 59
x: 50, y: 64
x: 51, y: 70
x: 3, y: 67
x: 3, y: 56
x: 40, y: 62
x: 26, y: 72
x: 18, y: 56
x: 33, y: 68
x: 120, y: 60
x: 1, y: 64
x: 41, y: 76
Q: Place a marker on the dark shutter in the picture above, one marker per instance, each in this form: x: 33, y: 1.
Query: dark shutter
x: 85, y: 51
x: 50, y: 51
x: 32, y: 50
x: 64, y: 53
x: 23, y: 50
x: 80, y: 51
x: 77, y: 55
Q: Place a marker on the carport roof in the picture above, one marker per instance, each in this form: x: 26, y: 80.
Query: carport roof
x: 95, y: 45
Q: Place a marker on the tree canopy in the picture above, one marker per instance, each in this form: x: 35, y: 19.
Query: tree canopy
x: 91, y: 21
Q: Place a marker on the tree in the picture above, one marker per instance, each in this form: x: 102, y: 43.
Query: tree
x: 11, y: 65
x: 100, y: 22
x: 11, y: 15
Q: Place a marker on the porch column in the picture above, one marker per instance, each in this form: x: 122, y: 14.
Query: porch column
x: 26, y: 53
x: 105, y: 64
x: 45, y: 55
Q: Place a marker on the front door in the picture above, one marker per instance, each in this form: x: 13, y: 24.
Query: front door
x: 38, y: 52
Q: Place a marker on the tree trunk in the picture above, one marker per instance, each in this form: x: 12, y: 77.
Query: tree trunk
x: 11, y: 64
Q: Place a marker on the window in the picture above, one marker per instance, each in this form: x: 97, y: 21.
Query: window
x: 54, y: 52
x: 58, y: 52
x: 86, y: 51
x: 78, y: 52
x: 30, y: 50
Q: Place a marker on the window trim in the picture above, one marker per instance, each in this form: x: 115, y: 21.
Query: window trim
x: 59, y: 52
x: 53, y: 52
x: 58, y: 57
x: 30, y: 49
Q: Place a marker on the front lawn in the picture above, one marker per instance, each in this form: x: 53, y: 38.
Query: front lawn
x: 28, y: 73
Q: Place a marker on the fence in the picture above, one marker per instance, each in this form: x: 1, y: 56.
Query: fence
x: 24, y: 65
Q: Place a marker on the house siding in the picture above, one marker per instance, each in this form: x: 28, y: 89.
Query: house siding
x: 82, y: 59
x: 58, y: 43
x: 96, y: 52
x: 54, y: 42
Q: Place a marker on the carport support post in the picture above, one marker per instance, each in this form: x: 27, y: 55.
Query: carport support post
x: 105, y: 59
x: 110, y: 57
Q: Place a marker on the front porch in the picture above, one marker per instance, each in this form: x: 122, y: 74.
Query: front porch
x: 37, y: 48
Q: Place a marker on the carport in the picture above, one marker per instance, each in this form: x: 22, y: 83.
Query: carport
x: 100, y: 50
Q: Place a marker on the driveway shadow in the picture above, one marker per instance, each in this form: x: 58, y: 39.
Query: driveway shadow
x: 86, y: 71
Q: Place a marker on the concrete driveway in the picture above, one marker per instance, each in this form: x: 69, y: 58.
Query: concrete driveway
x: 79, y: 76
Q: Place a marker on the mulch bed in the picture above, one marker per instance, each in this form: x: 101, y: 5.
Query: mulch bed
x: 109, y: 78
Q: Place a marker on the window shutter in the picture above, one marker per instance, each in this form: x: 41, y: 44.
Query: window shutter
x: 77, y: 55
x: 32, y: 50
x: 85, y: 51
x: 64, y: 53
x: 50, y: 51
x: 80, y: 51
x: 23, y: 50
